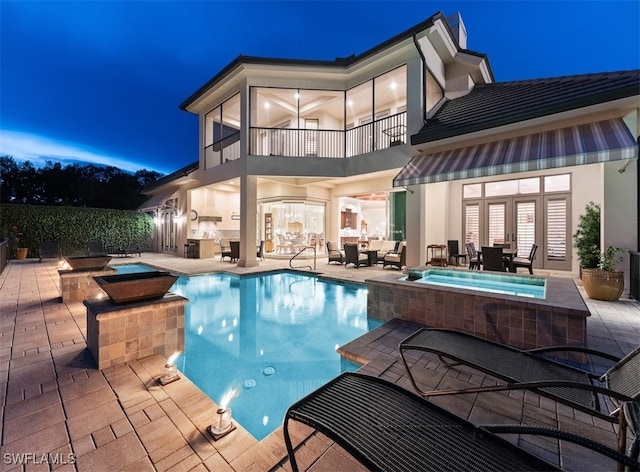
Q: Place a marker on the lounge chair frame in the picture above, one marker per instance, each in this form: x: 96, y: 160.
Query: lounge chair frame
x: 49, y: 250
x: 528, y: 370
x: 386, y: 427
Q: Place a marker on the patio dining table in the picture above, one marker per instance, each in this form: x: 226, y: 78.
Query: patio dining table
x: 506, y: 252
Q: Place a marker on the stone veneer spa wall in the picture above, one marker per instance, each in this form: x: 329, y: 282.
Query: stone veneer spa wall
x: 526, y: 323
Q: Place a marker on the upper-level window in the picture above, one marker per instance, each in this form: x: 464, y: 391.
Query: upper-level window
x: 382, y: 96
x: 270, y: 107
x: 329, y: 123
x: 434, y: 92
x: 222, y: 132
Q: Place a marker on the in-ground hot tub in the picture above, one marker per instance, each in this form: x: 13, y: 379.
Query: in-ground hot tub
x: 559, y: 318
x: 507, y: 284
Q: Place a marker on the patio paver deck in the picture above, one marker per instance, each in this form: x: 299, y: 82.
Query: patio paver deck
x: 57, y: 407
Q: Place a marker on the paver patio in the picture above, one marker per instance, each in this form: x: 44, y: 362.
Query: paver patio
x: 57, y: 407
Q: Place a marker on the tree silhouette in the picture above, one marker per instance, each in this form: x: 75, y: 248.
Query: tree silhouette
x: 72, y: 185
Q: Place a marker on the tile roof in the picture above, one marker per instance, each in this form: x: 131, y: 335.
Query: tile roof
x: 501, y: 103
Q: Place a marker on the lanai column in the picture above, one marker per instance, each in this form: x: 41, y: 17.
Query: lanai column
x: 248, y: 211
x: 416, y: 225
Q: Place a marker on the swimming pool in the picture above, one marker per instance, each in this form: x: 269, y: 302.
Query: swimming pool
x: 533, y: 287
x: 271, y: 337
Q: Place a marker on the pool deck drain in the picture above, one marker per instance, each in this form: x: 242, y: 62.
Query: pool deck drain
x: 55, y: 401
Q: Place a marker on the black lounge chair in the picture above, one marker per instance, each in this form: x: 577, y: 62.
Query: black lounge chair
x: 396, y: 259
x: 95, y: 248
x: 49, y: 250
x: 352, y: 255
x: 529, y: 370
x: 386, y: 427
x: 334, y: 253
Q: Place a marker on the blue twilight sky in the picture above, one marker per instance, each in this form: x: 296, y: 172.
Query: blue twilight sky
x: 101, y: 81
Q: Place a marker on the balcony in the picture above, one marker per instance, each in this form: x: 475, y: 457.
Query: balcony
x: 294, y: 142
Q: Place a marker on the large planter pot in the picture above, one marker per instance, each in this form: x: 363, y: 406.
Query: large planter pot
x: 136, y: 287
x: 21, y: 253
x: 603, y: 285
x: 87, y: 262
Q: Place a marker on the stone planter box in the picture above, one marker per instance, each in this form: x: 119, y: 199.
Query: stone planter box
x: 123, y: 333
x: 135, y: 287
x: 76, y: 286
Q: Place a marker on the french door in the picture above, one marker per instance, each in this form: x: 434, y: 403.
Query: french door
x: 519, y: 222
x: 514, y: 222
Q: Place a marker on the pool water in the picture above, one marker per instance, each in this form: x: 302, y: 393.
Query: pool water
x: 271, y: 337
x: 533, y: 287
x: 132, y: 268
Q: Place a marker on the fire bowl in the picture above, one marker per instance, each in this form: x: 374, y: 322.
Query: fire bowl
x: 87, y: 262
x: 137, y: 286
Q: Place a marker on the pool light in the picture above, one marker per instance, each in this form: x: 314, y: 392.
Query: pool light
x: 170, y: 370
x: 221, y: 425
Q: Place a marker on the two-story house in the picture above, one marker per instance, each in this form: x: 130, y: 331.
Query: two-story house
x: 411, y: 140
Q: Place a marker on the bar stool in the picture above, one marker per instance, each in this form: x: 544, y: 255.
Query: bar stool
x: 190, y: 250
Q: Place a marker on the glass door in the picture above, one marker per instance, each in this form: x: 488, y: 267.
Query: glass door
x: 513, y: 222
x: 556, y: 251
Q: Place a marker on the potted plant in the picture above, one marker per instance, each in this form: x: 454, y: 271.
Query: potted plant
x: 597, y: 269
x: 605, y: 283
x: 15, y: 236
x: 587, y: 238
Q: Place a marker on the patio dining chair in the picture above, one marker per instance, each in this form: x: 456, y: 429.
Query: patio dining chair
x: 493, y: 259
x: 474, y: 258
x: 530, y: 370
x: 453, y: 250
x: 526, y: 262
x: 386, y: 427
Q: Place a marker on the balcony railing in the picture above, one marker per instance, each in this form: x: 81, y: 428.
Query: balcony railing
x: 294, y: 142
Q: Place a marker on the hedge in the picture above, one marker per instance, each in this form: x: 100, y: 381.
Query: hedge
x: 74, y: 227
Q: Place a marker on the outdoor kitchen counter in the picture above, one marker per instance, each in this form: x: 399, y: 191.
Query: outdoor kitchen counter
x: 208, y: 247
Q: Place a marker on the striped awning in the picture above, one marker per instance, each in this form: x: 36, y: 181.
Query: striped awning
x: 602, y: 141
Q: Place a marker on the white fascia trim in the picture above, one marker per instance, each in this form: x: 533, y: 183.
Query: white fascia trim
x: 442, y: 41
x: 477, y: 65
